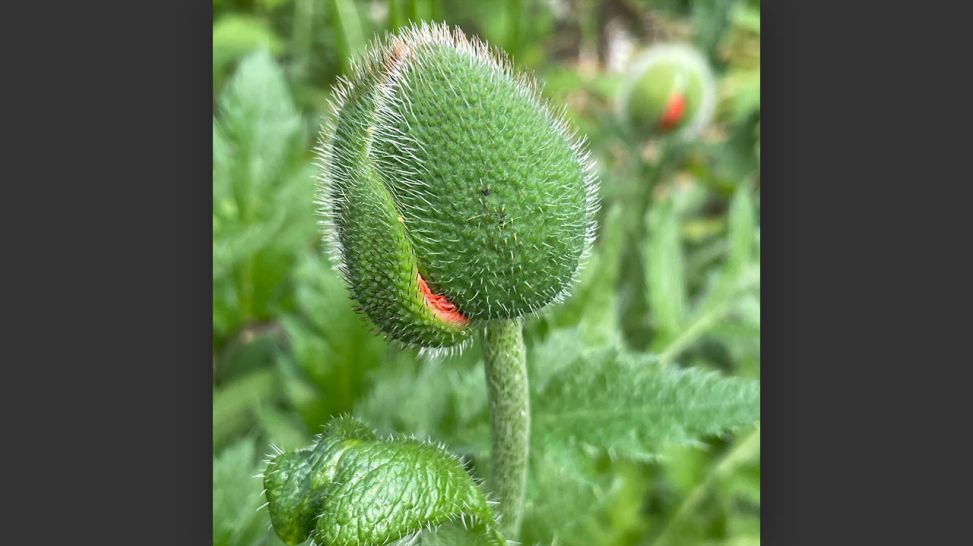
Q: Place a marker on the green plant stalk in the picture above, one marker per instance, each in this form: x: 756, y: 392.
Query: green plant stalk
x: 745, y: 450
x: 514, y: 16
x: 350, y: 35
x: 505, y: 363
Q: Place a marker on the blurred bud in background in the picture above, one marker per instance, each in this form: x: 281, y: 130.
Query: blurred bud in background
x: 668, y: 89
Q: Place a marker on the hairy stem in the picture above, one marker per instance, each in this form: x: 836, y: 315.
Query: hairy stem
x: 506, y: 374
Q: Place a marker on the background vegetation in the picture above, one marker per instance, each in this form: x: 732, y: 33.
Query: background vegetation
x: 674, y: 278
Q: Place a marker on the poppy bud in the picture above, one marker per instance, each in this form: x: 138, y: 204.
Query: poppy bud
x: 451, y: 194
x: 669, y: 89
x: 351, y: 488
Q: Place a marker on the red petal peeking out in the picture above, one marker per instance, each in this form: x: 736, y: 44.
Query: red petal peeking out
x: 675, y: 108
x: 443, y: 308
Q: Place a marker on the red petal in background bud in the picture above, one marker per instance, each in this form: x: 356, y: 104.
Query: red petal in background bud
x: 442, y: 307
x: 675, y: 108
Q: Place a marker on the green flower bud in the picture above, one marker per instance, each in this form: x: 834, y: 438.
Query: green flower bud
x: 451, y: 194
x: 352, y: 488
x: 669, y: 89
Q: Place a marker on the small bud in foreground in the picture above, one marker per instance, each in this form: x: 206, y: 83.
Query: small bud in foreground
x: 669, y: 89
x: 351, y: 488
x: 451, y: 194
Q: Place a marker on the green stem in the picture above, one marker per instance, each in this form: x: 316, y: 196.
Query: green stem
x: 514, y: 15
x: 506, y: 375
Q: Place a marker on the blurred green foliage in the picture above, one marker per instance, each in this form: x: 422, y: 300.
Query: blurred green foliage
x: 674, y: 279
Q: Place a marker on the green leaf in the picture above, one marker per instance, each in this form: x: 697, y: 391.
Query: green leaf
x: 415, y: 398
x: 562, y: 493
x: 351, y: 488
x: 332, y: 348
x: 630, y: 405
x: 349, y: 30
x: 742, y: 230
x: 576, y: 500
x: 236, y: 497
x: 714, y: 308
x: 262, y: 195
x: 734, y: 289
x: 553, y: 356
x: 741, y: 86
x: 234, y: 402
x: 259, y: 119
x: 594, y: 305
x: 665, y: 271
x: 442, y: 398
x: 236, y: 35
x: 746, y: 450
x: 232, y: 248
x: 280, y: 428
x: 746, y: 17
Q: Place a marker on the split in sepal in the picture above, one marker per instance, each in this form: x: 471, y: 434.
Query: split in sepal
x: 451, y: 194
x: 351, y: 488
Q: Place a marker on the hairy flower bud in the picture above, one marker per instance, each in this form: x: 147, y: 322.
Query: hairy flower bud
x: 352, y: 488
x: 451, y: 194
x: 668, y: 89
